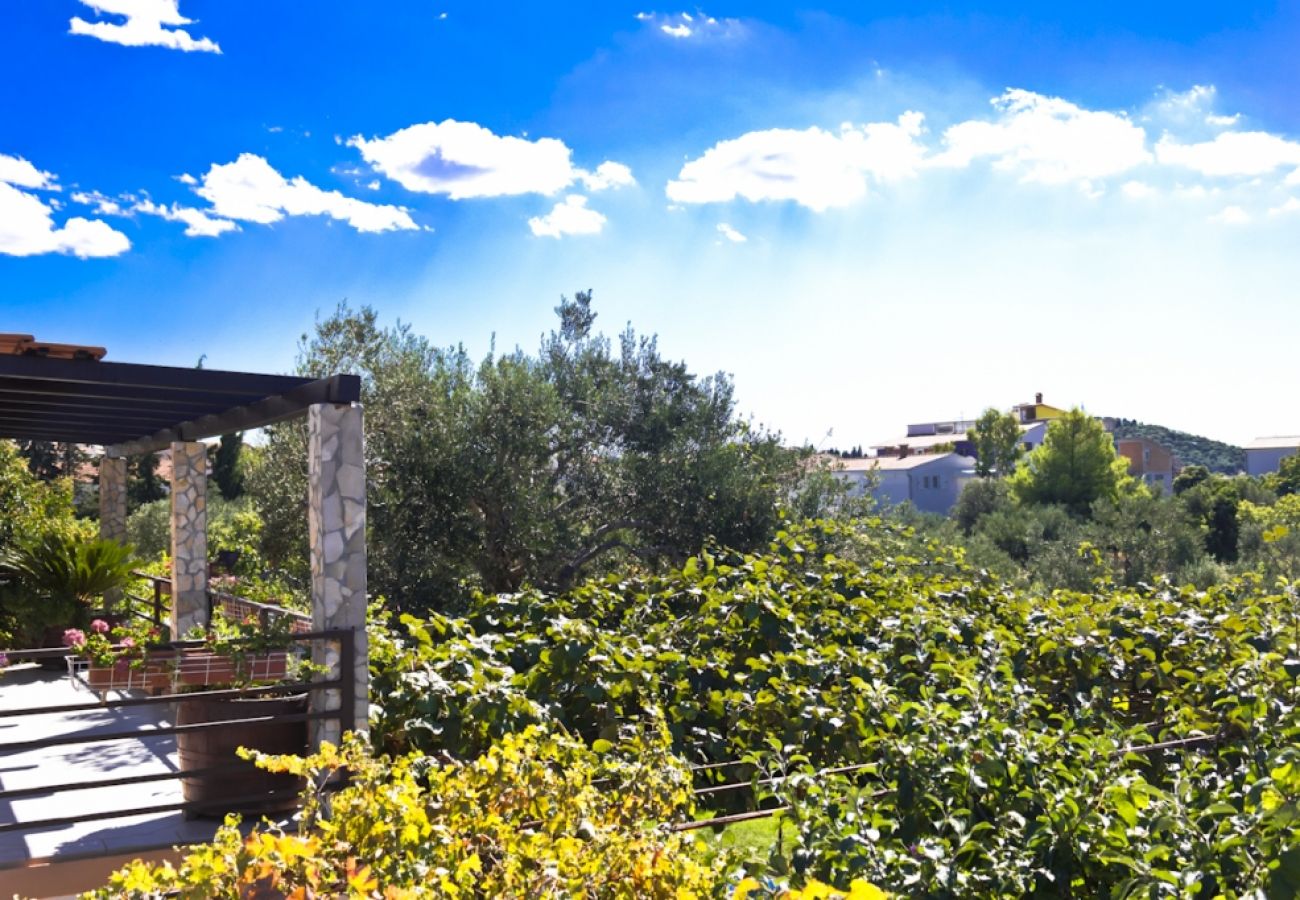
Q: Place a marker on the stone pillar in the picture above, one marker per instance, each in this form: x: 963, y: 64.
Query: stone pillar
x: 112, y: 509
x: 336, y: 518
x: 189, y: 536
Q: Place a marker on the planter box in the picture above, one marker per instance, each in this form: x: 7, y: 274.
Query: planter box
x: 165, y: 671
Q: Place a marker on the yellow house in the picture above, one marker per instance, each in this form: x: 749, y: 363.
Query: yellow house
x: 1038, y: 411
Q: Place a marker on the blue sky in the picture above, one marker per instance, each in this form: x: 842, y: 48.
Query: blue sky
x: 868, y: 213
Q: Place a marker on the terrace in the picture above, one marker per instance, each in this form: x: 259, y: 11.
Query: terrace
x: 90, y: 780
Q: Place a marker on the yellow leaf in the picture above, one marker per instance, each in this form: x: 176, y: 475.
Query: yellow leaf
x: 745, y: 888
x: 861, y: 890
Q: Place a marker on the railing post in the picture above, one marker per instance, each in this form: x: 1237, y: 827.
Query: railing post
x: 157, y: 601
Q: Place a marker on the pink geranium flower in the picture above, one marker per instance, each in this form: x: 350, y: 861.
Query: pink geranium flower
x: 74, y: 637
x: 128, y: 642
x: 99, y: 626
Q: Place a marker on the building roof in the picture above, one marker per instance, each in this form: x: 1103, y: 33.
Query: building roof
x: 897, y: 463
x: 923, y: 440
x: 64, y: 393
x: 1276, y: 442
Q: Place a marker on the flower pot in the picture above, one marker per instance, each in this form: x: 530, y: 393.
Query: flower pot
x: 201, y: 668
x: 243, y: 789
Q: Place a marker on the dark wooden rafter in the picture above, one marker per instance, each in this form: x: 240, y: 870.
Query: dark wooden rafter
x: 133, y: 409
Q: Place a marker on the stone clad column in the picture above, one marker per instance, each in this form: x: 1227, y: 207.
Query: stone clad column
x: 189, y: 536
x: 112, y: 509
x: 336, y: 518
x: 112, y: 498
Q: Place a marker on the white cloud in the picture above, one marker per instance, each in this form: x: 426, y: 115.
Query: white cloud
x: 731, y: 234
x: 105, y: 206
x: 816, y: 168
x: 250, y: 190
x: 1047, y: 140
x: 149, y: 23
x: 187, y: 178
x: 1231, y: 153
x: 1231, y: 215
x: 607, y: 175
x: 463, y: 160
x: 27, y: 229
x: 570, y: 216
x: 1291, y: 205
x: 20, y: 173
x: 681, y: 26
x: 197, y: 222
x: 1137, y: 190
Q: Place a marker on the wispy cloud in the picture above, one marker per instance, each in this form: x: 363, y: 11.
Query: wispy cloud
x: 683, y: 25
x: 1031, y: 138
x: 148, y: 23
x: 251, y: 190
x: 815, y: 168
x: 463, y: 160
x: 27, y: 226
x: 571, y: 216
x: 731, y: 234
x: 1232, y: 153
x: 1047, y: 140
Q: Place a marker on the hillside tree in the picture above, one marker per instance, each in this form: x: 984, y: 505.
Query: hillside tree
x: 1075, y: 466
x: 997, y: 440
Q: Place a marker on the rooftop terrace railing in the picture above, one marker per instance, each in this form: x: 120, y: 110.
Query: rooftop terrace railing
x: 189, y: 808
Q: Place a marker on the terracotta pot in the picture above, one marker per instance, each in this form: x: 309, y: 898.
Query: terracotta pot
x: 221, y: 793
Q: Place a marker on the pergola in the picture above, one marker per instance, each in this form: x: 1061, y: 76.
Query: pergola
x: 66, y: 393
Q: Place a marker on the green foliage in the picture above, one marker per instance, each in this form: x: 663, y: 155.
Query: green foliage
x: 1075, y: 466
x: 997, y: 441
x: 59, y: 576
x: 1286, y: 480
x: 227, y: 473
x: 1189, y: 477
x: 1213, y: 504
x: 992, y: 722
x: 51, y: 461
x: 1191, y: 449
x: 234, y: 526
x: 143, y: 484
x: 1269, y: 537
x: 977, y: 500
x: 528, y: 469
x: 538, y: 815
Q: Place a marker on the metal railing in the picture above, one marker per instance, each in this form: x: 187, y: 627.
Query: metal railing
x: 344, y: 715
x: 156, y: 607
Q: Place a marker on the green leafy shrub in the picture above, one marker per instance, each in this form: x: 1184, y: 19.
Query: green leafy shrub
x: 57, y: 577
x: 990, y: 722
x: 538, y: 815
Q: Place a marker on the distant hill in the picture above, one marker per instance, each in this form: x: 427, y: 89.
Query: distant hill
x: 1191, y: 449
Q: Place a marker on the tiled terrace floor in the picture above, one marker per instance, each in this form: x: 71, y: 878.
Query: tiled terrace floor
x: 30, y: 687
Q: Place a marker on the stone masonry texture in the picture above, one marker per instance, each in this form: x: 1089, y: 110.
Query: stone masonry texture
x: 336, y: 518
x: 189, y: 536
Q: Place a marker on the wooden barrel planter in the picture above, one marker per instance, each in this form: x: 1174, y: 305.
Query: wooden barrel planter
x: 221, y: 793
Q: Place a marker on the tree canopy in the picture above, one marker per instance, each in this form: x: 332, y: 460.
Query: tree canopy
x: 996, y: 437
x: 525, y: 469
x: 1075, y: 466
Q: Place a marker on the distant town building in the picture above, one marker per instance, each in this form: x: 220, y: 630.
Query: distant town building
x: 1150, y: 461
x: 1264, y: 455
x: 931, y: 482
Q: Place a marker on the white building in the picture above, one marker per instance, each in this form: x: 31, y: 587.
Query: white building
x: 1264, y: 455
x: 931, y: 482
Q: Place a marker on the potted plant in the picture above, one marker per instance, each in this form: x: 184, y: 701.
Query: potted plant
x: 250, y: 652
x: 118, y: 657
x: 63, y: 575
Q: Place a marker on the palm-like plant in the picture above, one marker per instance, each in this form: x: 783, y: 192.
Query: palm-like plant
x: 68, y: 572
